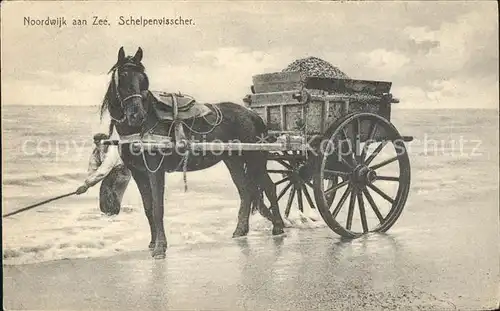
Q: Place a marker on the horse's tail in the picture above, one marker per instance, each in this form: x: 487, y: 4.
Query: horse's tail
x: 261, y: 163
x: 257, y: 193
x: 256, y: 201
x: 258, y: 205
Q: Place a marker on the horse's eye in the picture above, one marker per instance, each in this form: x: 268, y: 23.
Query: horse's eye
x: 123, y: 74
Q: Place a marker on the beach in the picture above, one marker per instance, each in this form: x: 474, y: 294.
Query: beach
x: 441, y: 254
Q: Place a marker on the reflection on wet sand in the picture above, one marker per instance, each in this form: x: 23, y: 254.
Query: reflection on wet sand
x: 311, y: 270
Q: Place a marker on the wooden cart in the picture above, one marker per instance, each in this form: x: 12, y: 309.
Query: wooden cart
x: 333, y: 144
x: 338, y: 142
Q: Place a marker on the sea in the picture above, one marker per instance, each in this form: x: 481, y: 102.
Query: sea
x: 45, y: 151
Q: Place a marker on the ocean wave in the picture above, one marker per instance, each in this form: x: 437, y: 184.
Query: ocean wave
x: 31, y: 180
x: 103, y: 236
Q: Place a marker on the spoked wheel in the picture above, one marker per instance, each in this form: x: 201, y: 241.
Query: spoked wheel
x: 364, y: 158
x: 292, y: 176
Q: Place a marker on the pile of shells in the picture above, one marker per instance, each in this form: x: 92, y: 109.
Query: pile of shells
x: 315, y: 67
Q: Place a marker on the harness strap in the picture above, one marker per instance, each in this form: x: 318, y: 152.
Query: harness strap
x: 124, y: 139
x: 175, y: 107
x: 184, y: 171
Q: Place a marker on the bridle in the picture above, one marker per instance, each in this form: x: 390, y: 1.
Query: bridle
x: 117, y: 92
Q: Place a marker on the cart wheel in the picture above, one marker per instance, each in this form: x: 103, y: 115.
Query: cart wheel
x: 368, y: 153
x: 293, y: 179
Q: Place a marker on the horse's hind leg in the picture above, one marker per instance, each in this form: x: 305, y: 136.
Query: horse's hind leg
x: 270, y: 189
x: 257, y: 166
x: 237, y: 171
x: 142, y: 181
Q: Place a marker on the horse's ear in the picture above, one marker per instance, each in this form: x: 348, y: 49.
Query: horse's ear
x: 138, y: 55
x: 121, y: 54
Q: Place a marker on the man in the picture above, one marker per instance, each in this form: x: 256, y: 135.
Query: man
x: 106, y: 165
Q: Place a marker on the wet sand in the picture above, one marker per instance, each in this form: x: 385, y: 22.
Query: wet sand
x: 304, y: 270
x: 442, y: 254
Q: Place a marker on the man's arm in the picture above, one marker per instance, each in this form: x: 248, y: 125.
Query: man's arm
x: 111, y: 159
x: 93, y: 161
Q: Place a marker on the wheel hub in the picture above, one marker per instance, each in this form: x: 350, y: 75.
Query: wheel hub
x: 363, y: 175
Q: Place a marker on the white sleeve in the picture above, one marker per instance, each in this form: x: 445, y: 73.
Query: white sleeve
x: 93, y: 162
x: 111, y: 160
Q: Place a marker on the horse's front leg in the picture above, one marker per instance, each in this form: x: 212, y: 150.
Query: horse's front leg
x: 157, y: 182
x: 142, y: 181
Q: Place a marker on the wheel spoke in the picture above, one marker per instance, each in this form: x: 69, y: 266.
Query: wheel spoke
x: 373, y: 205
x: 337, y: 173
x: 336, y: 187
x: 381, y: 193
x: 384, y: 163
x: 308, y: 197
x: 350, y: 153
x: 343, y: 159
x: 282, y: 162
x: 284, y: 190
x: 280, y: 171
x: 376, y: 152
x: 290, y: 200
x: 356, y: 134
x: 344, y: 133
x: 342, y: 201
x: 362, y: 212
x: 373, y: 130
x: 299, y: 199
x: 387, y: 178
x: 282, y: 181
x: 309, y: 184
x: 352, y: 203
x: 352, y: 148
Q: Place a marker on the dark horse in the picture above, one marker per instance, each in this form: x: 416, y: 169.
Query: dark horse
x: 129, y: 103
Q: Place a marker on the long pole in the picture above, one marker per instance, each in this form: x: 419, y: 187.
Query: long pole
x: 38, y: 204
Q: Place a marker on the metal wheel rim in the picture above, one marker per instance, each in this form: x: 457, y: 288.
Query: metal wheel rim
x: 403, y: 183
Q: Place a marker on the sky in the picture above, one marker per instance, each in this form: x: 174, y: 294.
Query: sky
x: 436, y: 54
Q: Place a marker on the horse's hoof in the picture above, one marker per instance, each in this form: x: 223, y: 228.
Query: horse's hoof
x: 239, y: 233
x: 151, y: 246
x: 278, y: 231
x: 158, y: 253
x: 159, y: 256
x: 159, y: 250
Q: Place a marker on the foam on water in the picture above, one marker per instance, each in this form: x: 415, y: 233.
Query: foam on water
x: 74, y: 227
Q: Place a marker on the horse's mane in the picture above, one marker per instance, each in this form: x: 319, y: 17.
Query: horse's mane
x: 110, y: 96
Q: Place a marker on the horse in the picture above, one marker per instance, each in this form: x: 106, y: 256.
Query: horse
x: 130, y: 103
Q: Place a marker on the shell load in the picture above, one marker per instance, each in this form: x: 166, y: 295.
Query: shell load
x: 315, y: 67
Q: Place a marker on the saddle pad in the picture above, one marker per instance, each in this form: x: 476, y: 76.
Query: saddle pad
x: 187, y: 106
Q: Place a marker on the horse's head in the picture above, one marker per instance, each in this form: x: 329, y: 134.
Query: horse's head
x: 128, y: 90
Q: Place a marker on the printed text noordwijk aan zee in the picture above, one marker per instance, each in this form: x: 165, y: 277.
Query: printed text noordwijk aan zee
x: 61, y: 21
